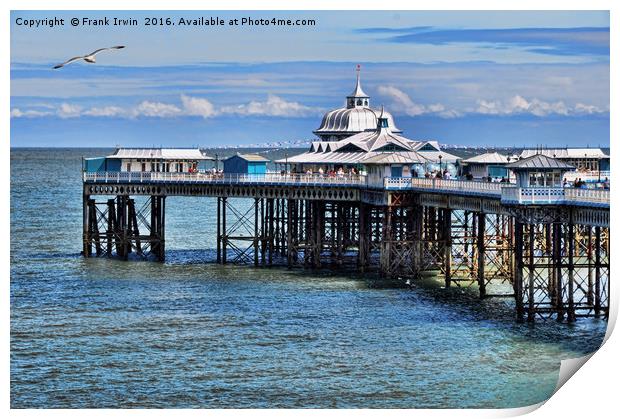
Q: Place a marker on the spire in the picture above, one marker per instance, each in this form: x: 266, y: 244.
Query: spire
x: 358, y: 98
x: 382, y: 121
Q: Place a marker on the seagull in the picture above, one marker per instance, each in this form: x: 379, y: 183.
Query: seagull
x: 90, y: 58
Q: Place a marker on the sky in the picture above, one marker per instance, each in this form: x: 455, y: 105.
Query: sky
x: 462, y: 78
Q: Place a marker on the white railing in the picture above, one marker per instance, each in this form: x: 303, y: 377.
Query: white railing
x: 508, y: 192
x: 228, y: 178
x: 600, y: 196
x: 542, y: 195
x: 452, y: 185
x: 533, y: 195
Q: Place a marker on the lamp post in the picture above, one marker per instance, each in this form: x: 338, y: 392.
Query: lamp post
x: 440, y: 172
x: 598, y: 164
x: 217, y: 165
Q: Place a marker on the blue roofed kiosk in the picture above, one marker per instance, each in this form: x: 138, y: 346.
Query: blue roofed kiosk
x: 249, y: 164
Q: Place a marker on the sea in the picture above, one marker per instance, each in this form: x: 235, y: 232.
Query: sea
x: 188, y: 333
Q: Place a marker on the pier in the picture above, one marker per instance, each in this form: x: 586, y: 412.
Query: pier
x: 550, y: 244
x: 365, y: 197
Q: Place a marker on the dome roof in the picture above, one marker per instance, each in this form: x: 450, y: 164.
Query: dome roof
x: 355, y: 117
x: 352, y: 121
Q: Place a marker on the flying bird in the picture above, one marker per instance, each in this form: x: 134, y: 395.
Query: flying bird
x: 89, y: 58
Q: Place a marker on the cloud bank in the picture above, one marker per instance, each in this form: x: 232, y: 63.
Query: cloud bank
x: 189, y: 106
x: 401, y: 103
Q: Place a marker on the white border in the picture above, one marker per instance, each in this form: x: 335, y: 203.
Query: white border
x: 591, y: 393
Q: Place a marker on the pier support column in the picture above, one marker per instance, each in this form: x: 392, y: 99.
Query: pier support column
x: 481, y: 248
x: 518, y: 269
x: 447, y: 250
x: 289, y: 233
x: 224, y: 237
x: 219, y: 231
x: 363, y: 239
x: 597, y: 271
x: 86, y: 248
x: 557, y: 262
x: 256, y: 239
x: 416, y: 214
x: 386, y: 243
x: 571, y: 272
x: 111, y: 225
x: 270, y: 231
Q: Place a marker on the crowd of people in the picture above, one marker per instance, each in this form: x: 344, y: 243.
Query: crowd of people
x: 581, y: 184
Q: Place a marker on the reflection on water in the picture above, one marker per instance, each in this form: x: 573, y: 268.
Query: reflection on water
x: 105, y: 333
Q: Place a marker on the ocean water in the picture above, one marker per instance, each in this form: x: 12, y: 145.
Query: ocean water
x: 89, y: 333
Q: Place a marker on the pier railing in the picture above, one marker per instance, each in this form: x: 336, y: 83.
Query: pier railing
x: 226, y: 178
x: 542, y: 196
x: 507, y: 193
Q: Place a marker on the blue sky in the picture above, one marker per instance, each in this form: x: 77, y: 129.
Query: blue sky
x: 480, y: 78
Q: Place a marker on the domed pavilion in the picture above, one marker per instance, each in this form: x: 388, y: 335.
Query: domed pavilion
x: 357, y: 116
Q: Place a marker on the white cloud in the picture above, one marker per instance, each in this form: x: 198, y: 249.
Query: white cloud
x: 195, y: 106
x: 402, y: 103
x: 520, y: 105
x: 18, y: 113
x: 108, y: 111
x: 273, y: 106
x: 67, y: 110
x: 156, y: 109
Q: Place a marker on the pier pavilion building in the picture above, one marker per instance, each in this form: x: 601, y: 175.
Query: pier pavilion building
x: 377, y: 153
x: 176, y: 160
x: 355, y: 117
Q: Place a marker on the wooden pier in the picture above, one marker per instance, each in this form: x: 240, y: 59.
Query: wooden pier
x: 550, y: 244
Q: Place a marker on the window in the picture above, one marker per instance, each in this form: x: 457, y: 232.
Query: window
x: 129, y: 167
x: 391, y: 147
x: 427, y: 147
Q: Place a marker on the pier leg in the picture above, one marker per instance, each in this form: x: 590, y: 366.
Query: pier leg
x: 571, y: 272
x: 531, y: 272
x: 518, y: 270
x: 86, y: 247
x: 224, y: 234
x: 447, y: 237
x: 270, y: 233
x: 219, y: 232
x: 111, y: 227
x: 289, y: 233
x: 340, y: 217
x: 386, y: 244
x: 256, y: 231
x: 597, y: 272
x: 556, y: 297
x: 590, y: 256
x: 162, y: 229
x: 480, y: 242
